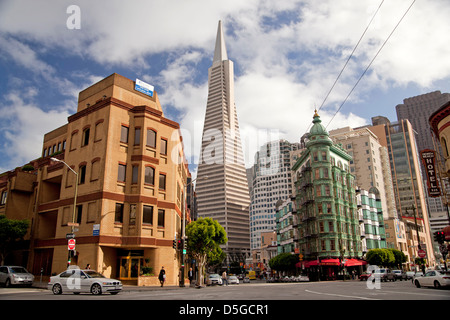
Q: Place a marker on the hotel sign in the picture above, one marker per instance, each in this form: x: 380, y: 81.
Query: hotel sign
x: 144, y: 87
x: 428, y: 159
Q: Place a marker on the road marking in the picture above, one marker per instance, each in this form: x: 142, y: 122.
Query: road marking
x: 340, y: 295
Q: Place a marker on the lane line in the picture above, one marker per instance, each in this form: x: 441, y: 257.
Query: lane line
x: 340, y: 295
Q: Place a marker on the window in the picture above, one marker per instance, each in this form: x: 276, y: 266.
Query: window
x: 122, y: 172
x: 147, y: 216
x: 137, y: 136
x: 86, y: 133
x: 332, y: 245
x: 162, y: 181
x: 82, y: 174
x: 135, y: 174
x: 73, y: 142
x: 163, y: 147
x: 95, y: 170
x: 79, y: 214
x: 330, y: 226
x: 151, y: 138
x: 161, y: 217
x: 118, y: 216
x: 4, y: 196
x: 321, y: 227
x: 149, y: 175
x: 124, y: 134
x: 98, y: 130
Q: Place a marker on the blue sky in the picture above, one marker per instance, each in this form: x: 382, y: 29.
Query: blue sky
x: 286, y: 53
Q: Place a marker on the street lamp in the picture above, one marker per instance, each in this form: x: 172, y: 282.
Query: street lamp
x: 74, y: 199
x: 183, y: 237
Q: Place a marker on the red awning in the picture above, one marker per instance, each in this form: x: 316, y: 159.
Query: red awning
x: 330, y: 262
x: 307, y: 264
x: 355, y: 262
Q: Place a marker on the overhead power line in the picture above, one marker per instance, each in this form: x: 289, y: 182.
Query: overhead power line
x: 348, y: 59
x: 371, y: 62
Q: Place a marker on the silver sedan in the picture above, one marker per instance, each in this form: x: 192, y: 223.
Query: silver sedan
x: 83, y: 281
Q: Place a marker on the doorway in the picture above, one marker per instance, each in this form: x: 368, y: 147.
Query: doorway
x: 130, y: 267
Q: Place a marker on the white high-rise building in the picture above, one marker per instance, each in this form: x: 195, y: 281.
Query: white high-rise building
x: 270, y: 181
x: 224, y: 195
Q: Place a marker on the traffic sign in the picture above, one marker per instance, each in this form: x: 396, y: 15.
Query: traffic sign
x: 421, y: 253
x: 70, y: 236
x: 71, y: 244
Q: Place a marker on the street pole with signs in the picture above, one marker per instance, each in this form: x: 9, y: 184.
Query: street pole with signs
x: 72, y: 224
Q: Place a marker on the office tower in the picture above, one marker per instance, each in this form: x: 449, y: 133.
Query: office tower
x: 270, y: 181
x: 418, y: 110
x: 399, y: 138
x: 223, y: 195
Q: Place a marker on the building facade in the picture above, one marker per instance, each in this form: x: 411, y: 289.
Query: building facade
x: 418, y: 111
x: 329, y: 229
x: 224, y: 195
x: 125, y: 202
x: 410, y: 200
x: 372, y: 227
x: 269, y: 181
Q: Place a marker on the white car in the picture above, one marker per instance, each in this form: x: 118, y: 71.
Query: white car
x: 433, y: 278
x: 233, y: 280
x: 83, y: 281
x: 15, y: 275
x: 214, y: 279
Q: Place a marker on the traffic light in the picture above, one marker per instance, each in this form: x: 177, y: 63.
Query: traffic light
x: 174, y: 244
x: 440, y: 237
x: 436, y: 236
x: 179, y: 244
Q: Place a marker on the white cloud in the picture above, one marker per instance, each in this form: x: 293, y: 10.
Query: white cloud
x: 23, y: 126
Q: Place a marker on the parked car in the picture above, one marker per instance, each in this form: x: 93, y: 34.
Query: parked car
x: 399, y: 275
x: 246, y: 280
x: 214, y: 279
x: 385, y: 274
x: 433, y: 278
x: 233, y: 280
x: 15, y: 275
x: 302, y: 279
x: 416, y: 275
x: 83, y: 281
x: 410, y: 274
x: 364, y: 276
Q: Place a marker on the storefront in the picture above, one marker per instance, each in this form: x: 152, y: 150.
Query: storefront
x: 331, y: 269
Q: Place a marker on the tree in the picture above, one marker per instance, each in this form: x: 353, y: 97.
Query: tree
x: 283, y: 262
x: 399, y: 257
x: 11, y: 231
x: 380, y: 257
x: 204, y: 237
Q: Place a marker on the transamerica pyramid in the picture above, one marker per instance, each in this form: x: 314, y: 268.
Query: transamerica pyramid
x: 224, y: 194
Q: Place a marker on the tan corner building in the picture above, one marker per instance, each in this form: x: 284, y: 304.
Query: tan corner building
x: 131, y: 172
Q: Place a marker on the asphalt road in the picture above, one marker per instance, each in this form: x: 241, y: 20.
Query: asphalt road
x: 255, y: 300
x: 335, y: 290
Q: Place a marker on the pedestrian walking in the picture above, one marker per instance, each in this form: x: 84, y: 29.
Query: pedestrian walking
x: 224, y: 278
x: 190, y: 275
x: 162, y: 276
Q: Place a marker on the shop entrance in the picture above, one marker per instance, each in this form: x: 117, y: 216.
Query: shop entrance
x: 130, y: 263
